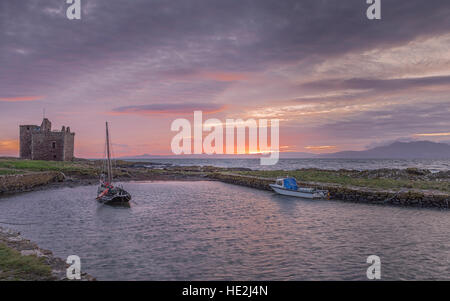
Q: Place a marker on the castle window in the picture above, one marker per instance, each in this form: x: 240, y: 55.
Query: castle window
x: 54, y: 144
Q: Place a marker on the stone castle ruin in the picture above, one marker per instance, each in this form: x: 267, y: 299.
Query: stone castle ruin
x: 41, y: 143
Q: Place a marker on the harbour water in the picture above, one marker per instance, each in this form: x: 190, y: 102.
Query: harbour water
x: 215, y: 231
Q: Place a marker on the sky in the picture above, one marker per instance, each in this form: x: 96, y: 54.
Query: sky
x: 335, y: 80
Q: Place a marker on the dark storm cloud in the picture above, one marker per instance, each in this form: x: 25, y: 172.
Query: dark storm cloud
x: 378, y: 84
x: 40, y: 47
x: 359, y: 89
x: 393, y: 122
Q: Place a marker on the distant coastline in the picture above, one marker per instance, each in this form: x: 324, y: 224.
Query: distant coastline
x: 395, y: 150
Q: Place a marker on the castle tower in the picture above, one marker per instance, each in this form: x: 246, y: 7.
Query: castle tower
x: 25, y: 140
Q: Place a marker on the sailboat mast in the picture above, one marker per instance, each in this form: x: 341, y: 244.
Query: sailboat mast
x: 108, y: 153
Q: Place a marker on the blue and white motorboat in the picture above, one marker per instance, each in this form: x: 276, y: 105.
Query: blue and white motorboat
x: 288, y: 186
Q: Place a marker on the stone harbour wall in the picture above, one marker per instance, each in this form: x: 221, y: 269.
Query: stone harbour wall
x: 350, y: 194
x: 26, y: 182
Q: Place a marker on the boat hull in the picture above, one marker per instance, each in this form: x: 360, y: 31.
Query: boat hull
x: 115, y: 197
x: 301, y: 194
x: 115, y: 201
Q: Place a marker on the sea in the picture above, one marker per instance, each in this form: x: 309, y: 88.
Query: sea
x: 434, y: 165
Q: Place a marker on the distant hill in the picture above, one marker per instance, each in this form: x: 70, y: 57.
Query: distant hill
x: 398, y: 150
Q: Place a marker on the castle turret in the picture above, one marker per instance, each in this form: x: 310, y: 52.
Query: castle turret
x: 46, y: 125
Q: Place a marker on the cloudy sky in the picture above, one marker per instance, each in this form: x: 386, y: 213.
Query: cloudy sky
x: 335, y: 79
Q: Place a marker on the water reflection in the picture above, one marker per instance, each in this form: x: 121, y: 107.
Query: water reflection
x: 215, y: 231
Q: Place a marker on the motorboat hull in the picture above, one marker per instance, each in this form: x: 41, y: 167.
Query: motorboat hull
x: 307, y: 193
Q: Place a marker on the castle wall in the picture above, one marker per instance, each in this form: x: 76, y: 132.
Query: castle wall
x: 48, y: 146
x: 69, y: 139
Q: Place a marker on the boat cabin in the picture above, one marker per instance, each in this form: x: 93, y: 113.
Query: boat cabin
x: 287, y: 183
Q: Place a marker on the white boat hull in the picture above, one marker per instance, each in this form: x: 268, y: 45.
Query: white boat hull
x: 301, y: 194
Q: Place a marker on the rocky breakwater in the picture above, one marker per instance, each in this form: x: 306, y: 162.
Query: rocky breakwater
x: 17, y: 268
x: 28, y: 181
x: 249, y: 181
x: 410, y: 198
x: 413, y: 198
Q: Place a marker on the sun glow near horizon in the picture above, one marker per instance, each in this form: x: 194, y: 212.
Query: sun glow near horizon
x: 432, y: 134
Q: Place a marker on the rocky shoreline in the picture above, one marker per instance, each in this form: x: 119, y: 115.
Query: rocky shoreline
x: 415, y: 187
x: 13, y: 240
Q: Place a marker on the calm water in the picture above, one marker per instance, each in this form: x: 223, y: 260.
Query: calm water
x: 291, y: 164
x: 216, y: 231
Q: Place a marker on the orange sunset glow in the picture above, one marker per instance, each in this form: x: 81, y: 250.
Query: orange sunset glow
x: 9, y: 147
x: 20, y: 98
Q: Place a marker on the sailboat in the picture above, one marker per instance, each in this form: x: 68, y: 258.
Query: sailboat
x: 107, y: 193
